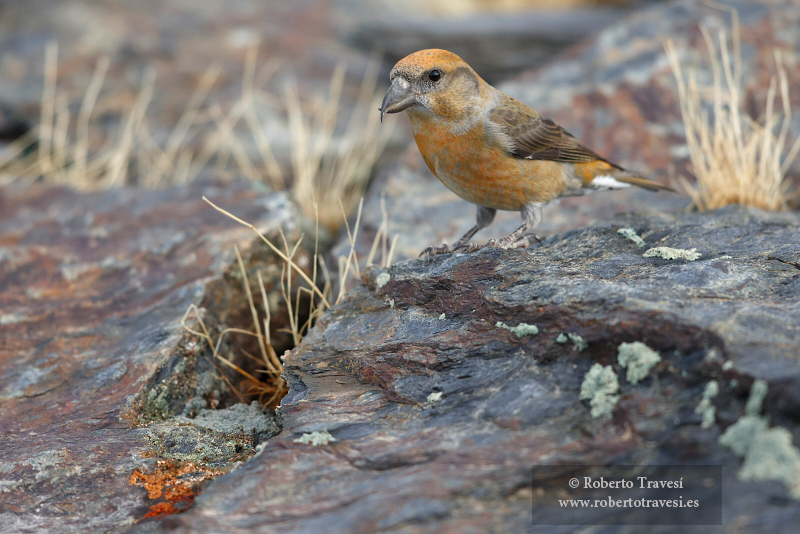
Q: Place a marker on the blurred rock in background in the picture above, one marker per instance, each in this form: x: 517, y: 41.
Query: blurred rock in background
x: 180, y: 41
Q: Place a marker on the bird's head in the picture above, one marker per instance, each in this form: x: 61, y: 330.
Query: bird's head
x: 436, y: 81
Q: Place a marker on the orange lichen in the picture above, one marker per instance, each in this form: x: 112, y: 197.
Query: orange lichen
x: 173, y: 484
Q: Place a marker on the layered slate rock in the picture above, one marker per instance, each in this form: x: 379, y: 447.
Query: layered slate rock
x: 441, y: 396
x: 92, y: 291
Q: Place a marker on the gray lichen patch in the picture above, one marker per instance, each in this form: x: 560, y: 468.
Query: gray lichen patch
x: 187, y: 377
x: 768, y: 452
x: 600, y: 387
x: 251, y: 420
x: 630, y: 233
x: 185, y: 442
x: 638, y: 358
x: 669, y: 253
x: 739, y: 436
x: 316, y: 438
x: 578, y: 342
x: 434, y: 397
x: 522, y: 329
x: 705, y: 408
x: 771, y: 456
x: 757, y: 393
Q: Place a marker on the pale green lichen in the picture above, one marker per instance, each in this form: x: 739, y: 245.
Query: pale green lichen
x: 757, y: 393
x: 705, y: 408
x: 316, y: 438
x: 740, y: 435
x: 382, y: 279
x: 580, y: 344
x: 436, y: 396
x: 600, y: 387
x: 522, y: 329
x: 772, y: 456
x: 768, y: 452
x: 391, y: 303
x: 631, y: 234
x: 669, y: 253
x: 638, y: 358
x: 727, y: 366
x: 442, y: 317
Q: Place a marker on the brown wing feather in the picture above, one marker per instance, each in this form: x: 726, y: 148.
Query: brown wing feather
x: 536, y: 137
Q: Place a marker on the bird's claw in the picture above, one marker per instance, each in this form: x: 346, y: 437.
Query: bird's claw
x: 467, y: 247
x: 509, y: 244
x: 433, y: 251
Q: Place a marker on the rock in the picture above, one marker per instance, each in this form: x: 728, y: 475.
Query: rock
x: 439, y: 414
x: 498, y: 46
x: 92, y: 291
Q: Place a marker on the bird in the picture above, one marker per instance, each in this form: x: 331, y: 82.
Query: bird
x: 491, y: 149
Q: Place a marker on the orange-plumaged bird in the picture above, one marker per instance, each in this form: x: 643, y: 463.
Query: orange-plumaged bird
x: 490, y: 149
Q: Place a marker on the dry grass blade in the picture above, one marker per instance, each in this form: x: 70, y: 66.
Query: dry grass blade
x: 338, y: 170
x: 735, y: 159
x: 275, y: 249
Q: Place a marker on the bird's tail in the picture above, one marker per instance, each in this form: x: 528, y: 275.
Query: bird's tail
x: 626, y: 178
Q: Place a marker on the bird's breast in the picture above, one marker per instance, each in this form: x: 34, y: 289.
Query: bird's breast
x: 475, y: 165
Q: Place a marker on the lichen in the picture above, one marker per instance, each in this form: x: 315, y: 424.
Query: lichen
x: 436, y: 396
x: 600, y: 387
x: 669, y: 253
x: 442, y: 317
x: 768, y: 452
x: 705, y: 408
x: 382, y: 279
x: 740, y: 435
x: 316, y: 438
x: 757, y: 393
x: 638, y: 358
x: 580, y: 344
x: 772, y: 456
x: 631, y: 234
x: 562, y: 338
x: 522, y: 329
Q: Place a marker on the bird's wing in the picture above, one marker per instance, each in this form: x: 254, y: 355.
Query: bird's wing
x: 535, y: 137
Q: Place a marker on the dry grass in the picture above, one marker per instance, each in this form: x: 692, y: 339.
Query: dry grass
x: 269, y: 387
x: 328, y: 171
x: 735, y: 159
x: 70, y: 149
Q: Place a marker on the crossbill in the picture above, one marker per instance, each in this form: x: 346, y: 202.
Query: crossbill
x: 490, y: 149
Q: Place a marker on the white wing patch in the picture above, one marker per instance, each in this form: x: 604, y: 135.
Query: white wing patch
x: 607, y: 182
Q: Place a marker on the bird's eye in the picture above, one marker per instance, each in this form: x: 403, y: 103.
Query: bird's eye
x: 434, y: 75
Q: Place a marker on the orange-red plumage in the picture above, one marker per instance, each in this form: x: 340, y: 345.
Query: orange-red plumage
x: 490, y: 149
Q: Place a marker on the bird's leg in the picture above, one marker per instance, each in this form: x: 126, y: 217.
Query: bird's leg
x: 531, y: 217
x: 485, y: 217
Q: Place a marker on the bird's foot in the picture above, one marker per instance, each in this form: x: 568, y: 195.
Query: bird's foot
x: 467, y: 247
x: 433, y: 251
x: 510, y: 242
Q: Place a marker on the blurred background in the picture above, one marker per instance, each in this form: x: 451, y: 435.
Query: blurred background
x: 105, y: 93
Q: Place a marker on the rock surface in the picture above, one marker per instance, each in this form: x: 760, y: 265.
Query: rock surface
x: 439, y: 411
x: 92, y: 291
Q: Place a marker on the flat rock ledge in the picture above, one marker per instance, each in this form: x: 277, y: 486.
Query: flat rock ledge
x: 422, y: 403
